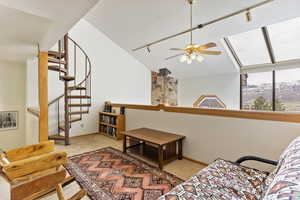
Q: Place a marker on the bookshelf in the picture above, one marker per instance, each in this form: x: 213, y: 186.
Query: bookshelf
x: 111, y: 125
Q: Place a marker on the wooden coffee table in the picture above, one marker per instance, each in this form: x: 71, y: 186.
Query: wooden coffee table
x: 166, y: 147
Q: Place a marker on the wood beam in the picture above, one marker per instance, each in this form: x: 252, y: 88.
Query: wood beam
x: 29, y: 190
x: 43, y: 96
x: 29, y: 151
x: 34, y: 164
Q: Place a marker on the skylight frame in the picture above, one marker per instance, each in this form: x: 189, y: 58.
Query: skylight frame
x: 272, y: 56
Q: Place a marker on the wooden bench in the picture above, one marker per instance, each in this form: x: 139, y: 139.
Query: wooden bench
x: 36, y: 170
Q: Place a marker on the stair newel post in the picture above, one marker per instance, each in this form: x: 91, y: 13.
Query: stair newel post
x: 67, y: 123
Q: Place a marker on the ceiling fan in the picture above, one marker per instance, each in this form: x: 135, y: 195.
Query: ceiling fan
x: 193, y: 51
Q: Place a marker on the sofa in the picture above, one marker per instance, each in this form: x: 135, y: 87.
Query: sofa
x: 224, y: 180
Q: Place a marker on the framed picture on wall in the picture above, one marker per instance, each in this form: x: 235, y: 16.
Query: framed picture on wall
x: 8, y: 120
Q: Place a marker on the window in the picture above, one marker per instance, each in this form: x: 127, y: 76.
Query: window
x: 274, y: 91
x: 250, y: 47
x: 257, y: 91
x: 288, y: 90
x: 278, y: 42
x: 285, y: 39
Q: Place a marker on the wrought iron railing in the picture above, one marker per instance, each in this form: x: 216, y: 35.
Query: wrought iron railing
x: 81, y: 67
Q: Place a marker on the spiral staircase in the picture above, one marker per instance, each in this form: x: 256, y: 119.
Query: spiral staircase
x: 76, y: 100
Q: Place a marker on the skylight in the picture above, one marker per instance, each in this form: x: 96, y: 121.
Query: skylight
x: 250, y: 48
x: 285, y: 39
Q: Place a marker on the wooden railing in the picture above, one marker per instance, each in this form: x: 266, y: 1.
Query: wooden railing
x: 258, y: 115
x: 34, y: 111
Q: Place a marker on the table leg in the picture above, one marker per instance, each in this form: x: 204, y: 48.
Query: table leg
x: 124, y: 144
x: 180, y: 150
x: 160, y: 157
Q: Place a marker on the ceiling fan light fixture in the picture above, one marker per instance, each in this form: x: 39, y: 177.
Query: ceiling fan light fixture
x: 189, y: 61
x: 183, y: 58
x: 193, y: 56
x: 200, y: 58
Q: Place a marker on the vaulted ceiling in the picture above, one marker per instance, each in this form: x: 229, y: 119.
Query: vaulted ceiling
x: 133, y: 23
x: 27, y: 24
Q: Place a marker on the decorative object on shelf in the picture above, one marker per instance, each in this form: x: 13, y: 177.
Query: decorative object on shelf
x: 122, y: 110
x: 209, y: 101
x: 107, y: 107
x: 193, y: 51
x: 164, y: 88
x: 8, y: 120
x: 111, y: 124
x: 131, y: 178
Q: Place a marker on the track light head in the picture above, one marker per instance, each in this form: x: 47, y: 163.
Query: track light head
x: 148, y: 49
x: 248, y: 16
x: 191, y: 1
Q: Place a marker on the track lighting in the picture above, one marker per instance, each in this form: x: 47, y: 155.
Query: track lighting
x: 148, y: 49
x: 248, y: 16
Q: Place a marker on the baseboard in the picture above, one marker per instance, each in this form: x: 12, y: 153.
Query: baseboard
x: 84, y: 135
x: 195, y: 161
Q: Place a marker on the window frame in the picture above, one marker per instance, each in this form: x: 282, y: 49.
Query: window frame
x: 274, y: 82
x: 273, y: 91
x: 268, y: 42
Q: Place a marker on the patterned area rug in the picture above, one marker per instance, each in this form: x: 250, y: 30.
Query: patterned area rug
x: 108, y: 174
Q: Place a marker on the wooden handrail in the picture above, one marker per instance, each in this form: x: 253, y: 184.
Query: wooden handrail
x: 34, y: 111
x: 258, y: 115
x: 55, y: 100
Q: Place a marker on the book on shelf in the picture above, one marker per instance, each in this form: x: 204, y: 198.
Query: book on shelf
x: 109, y: 119
x: 107, y: 108
x: 108, y: 130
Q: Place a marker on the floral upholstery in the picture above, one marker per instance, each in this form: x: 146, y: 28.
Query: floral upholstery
x: 221, y: 180
x: 286, y: 182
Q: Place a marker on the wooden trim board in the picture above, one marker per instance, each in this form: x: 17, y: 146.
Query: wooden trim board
x: 34, y: 112
x: 257, y: 115
x: 43, y: 96
x: 195, y: 161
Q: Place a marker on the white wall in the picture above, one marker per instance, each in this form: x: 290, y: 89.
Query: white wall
x: 209, y: 137
x: 116, y: 76
x: 12, y: 98
x: 32, y: 101
x: 226, y: 87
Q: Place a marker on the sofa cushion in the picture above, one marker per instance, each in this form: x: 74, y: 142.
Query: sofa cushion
x: 286, y: 183
x: 221, y: 180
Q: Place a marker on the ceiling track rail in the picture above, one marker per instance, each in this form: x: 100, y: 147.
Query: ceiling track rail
x: 200, y: 26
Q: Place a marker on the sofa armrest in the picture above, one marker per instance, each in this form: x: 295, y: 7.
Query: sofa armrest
x: 255, y: 158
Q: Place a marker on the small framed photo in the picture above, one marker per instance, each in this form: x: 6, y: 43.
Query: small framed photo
x: 8, y: 120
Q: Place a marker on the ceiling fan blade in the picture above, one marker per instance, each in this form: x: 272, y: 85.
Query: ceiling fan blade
x: 174, y: 56
x: 209, y: 52
x: 176, y: 49
x: 206, y: 46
